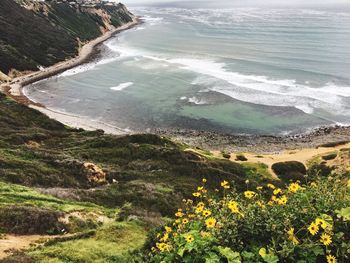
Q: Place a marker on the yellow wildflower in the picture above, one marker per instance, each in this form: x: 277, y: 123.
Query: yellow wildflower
x: 184, y: 221
x: 294, y: 187
x: 260, y: 204
x: 292, y: 237
x: 326, y: 239
x: 196, y: 194
x: 210, y: 222
x: 277, y: 191
x: 313, y: 228
x: 206, y: 213
x: 331, y: 259
x: 224, y: 183
x: 283, y: 200
x: 271, y: 186
x: 191, y: 215
x: 163, y: 246
x: 259, y: 188
x: 165, y: 237
x: 204, y: 180
x: 199, y: 209
x: 177, y: 221
x: 189, y: 238
x: 270, y: 203
x: 168, y: 229
x: 200, y: 204
x: 200, y: 188
x: 179, y: 214
x: 348, y: 183
x: 249, y: 194
x: 262, y: 252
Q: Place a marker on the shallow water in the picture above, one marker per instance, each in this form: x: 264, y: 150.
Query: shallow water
x: 240, y: 70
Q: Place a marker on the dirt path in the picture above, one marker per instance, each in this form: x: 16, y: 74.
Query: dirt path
x: 17, y: 242
x: 300, y: 155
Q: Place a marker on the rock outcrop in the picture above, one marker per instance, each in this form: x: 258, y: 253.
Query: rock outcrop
x: 94, y: 174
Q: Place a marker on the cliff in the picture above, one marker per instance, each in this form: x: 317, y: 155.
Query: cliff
x: 34, y: 34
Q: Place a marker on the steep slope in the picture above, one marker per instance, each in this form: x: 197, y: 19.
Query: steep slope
x: 150, y: 173
x: 43, y: 33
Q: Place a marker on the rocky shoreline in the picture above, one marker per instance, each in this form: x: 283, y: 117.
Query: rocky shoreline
x: 258, y: 143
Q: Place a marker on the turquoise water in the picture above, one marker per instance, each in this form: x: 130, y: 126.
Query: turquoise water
x: 260, y: 71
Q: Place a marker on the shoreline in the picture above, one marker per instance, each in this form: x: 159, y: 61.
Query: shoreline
x: 14, y: 89
x: 196, y: 138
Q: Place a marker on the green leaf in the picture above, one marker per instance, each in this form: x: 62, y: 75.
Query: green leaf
x: 181, y: 252
x: 344, y: 213
x: 231, y: 256
x: 271, y: 258
x: 211, y: 257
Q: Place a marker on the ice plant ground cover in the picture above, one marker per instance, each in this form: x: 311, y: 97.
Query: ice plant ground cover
x: 297, y: 223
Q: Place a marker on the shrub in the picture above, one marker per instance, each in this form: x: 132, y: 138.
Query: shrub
x: 292, y: 170
x: 301, y: 223
x: 241, y: 157
x: 29, y: 220
x: 226, y: 155
x: 330, y: 156
x: 317, y: 170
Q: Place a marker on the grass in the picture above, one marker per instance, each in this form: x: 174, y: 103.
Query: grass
x: 11, y: 194
x: 258, y: 171
x: 112, y: 242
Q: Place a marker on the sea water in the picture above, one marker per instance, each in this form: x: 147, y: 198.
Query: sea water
x: 245, y: 70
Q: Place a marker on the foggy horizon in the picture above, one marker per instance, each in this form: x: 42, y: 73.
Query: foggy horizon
x: 228, y: 4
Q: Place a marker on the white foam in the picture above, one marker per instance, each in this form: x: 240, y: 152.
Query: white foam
x: 122, y: 86
x: 196, y: 101
x: 77, y: 70
x: 263, y: 90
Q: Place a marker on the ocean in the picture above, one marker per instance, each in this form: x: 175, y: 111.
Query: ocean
x: 241, y: 70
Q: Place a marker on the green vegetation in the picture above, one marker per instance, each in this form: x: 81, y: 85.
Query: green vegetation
x: 49, y: 33
x: 299, y: 223
x: 112, y: 242
x: 330, y: 156
x: 11, y: 194
x: 241, y: 157
x: 290, y: 171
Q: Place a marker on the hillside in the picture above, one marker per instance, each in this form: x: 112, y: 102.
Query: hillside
x: 144, y: 177
x: 37, y: 34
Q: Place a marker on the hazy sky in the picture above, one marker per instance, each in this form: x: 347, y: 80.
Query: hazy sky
x: 238, y: 2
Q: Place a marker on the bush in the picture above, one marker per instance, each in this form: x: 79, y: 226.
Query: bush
x: 330, y: 156
x: 226, y: 155
x: 302, y: 223
x: 292, y: 170
x: 241, y: 157
x: 29, y: 220
x: 317, y: 170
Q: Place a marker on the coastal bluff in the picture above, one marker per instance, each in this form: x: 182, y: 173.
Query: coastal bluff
x: 34, y: 34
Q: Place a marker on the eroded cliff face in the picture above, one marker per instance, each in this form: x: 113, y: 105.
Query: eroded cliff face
x: 34, y: 34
